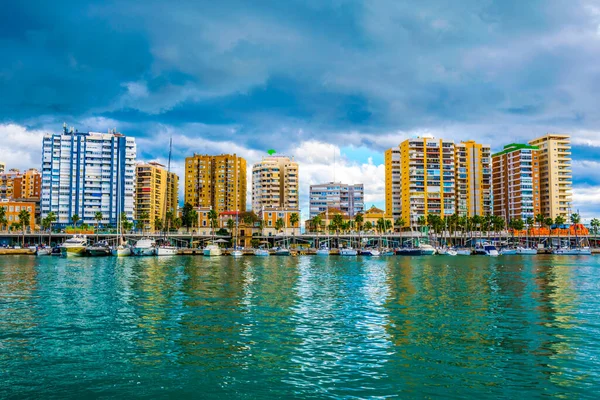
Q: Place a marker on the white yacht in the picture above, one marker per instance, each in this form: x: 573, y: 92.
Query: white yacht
x: 212, y: 250
x: 348, y: 251
x: 43, y: 251
x: 490, y: 250
x: 526, y: 251
x: 370, y: 252
x: 74, y: 247
x: 237, y: 253
x: 426, y: 250
x: 507, y: 251
x: 578, y: 251
x: 166, y: 250
x: 323, y: 251
x: 261, y: 252
x: 282, y: 251
x: 122, y: 250
x: 145, y: 247
x: 464, y: 252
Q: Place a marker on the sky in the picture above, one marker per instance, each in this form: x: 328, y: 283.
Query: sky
x: 313, y: 79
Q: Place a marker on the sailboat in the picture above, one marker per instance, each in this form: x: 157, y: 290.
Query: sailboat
x: 165, y: 248
x: 236, y: 252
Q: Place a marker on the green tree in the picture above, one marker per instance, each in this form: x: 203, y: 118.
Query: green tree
x: 387, y: 225
x: 3, y: 220
x: 316, y: 223
x: 230, y: 225
x: 595, y: 224
x: 169, y: 216
x: 359, y: 220
x: 158, y: 224
x: 294, y: 219
x: 98, y: 217
x: 186, y: 216
x: 337, y: 222
x: 399, y: 224
x: 24, y: 219
x: 368, y: 226
x: 213, y: 216
x: 75, y: 219
x: 249, y: 218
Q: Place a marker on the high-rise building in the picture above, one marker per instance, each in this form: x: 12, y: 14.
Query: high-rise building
x: 348, y: 198
x: 516, y: 182
x: 15, y: 184
x: 2, y: 167
x: 155, y: 194
x: 435, y: 176
x: 83, y: 173
x: 393, y: 184
x: 473, y: 178
x: 556, y: 180
x: 275, y: 183
x: 216, y: 182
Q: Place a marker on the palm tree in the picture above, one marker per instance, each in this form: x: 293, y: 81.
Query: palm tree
x: 294, y: 218
x: 559, y: 221
x: 359, y: 219
x: 595, y: 224
x: 24, y: 218
x: 539, y: 219
x: 368, y: 226
x: 212, y: 216
x: 575, y: 220
x: 3, y: 220
x: 387, y: 224
x: 98, y: 217
x: 75, y: 219
x: 158, y: 224
x: 316, y: 223
x: 549, y: 222
x: 230, y: 225
x: 337, y: 222
x: 279, y: 224
x: 51, y: 218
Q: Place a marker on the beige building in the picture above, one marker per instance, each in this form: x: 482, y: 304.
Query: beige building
x: 556, y: 178
x: 156, y: 193
x: 217, y: 182
x: 2, y: 167
x: 275, y: 183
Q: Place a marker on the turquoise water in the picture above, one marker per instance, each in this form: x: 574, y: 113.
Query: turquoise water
x: 305, y: 327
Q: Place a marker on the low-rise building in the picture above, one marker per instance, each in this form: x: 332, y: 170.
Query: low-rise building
x: 14, y: 207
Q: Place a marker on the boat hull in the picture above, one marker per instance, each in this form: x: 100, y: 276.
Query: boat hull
x: 166, y: 251
x: 527, y: 252
x: 261, y: 253
x: 144, y: 251
x: 99, y: 252
x: 348, y: 252
x: 72, y: 251
x: 322, y: 252
x: 121, y: 252
x: 237, y: 253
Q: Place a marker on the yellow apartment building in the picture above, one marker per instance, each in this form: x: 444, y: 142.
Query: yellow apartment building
x: 217, y: 182
x: 556, y: 179
x: 15, y: 184
x: 426, y: 175
x: 156, y: 193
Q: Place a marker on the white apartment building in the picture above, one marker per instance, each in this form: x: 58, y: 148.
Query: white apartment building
x: 275, y: 183
x: 350, y: 199
x: 83, y: 173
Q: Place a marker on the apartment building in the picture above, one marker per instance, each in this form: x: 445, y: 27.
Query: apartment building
x: 156, y: 193
x: 348, y: 198
x: 2, y: 167
x: 426, y: 176
x: 556, y: 179
x: 87, y: 172
x: 473, y: 178
x: 516, y: 182
x: 15, y: 184
x: 275, y: 183
x: 14, y: 207
x: 216, y: 182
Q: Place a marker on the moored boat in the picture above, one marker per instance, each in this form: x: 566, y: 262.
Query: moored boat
x: 212, y: 250
x: 323, y: 251
x: 348, y: 251
x: 74, y: 247
x: 282, y: 251
x: 464, y: 252
x: 370, y: 252
x: 144, y: 247
x: 526, y: 251
x: 237, y: 253
x: 261, y: 252
x: 43, y: 251
x: 99, y: 249
x: 507, y: 251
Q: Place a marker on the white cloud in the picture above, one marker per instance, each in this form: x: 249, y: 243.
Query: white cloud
x: 586, y: 201
x: 20, y: 148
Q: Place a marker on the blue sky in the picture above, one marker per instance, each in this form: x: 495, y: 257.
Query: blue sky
x: 309, y: 78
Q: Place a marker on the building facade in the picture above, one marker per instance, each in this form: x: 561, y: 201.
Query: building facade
x: 14, y: 207
x: 83, y: 173
x: 156, y: 192
x: 15, y: 184
x: 473, y: 178
x: 556, y: 179
x: 275, y: 183
x: 435, y: 176
x: 2, y: 167
x: 516, y: 182
x: 347, y: 198
x: 217, y: 182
